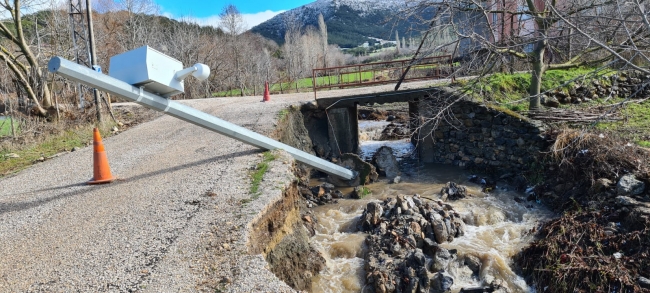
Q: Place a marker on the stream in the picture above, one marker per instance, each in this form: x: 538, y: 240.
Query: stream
x: 497, y: 225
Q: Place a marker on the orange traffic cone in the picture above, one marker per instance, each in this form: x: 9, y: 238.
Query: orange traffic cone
x: 267, y: 96
x: 102, y: 172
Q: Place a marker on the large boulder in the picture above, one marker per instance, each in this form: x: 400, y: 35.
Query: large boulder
x: 629, y: 185
x: 453, y: 191
x: 386, y: 162
x: 371, y: 217
x: 366, y: 172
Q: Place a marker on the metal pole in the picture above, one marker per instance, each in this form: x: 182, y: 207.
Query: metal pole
x: 76, y: 72
x: 93, y: 57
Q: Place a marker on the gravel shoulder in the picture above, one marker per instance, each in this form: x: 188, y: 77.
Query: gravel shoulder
x: 173, y: 222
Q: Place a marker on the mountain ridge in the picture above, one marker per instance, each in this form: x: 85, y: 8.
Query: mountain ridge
x: 350, y: 23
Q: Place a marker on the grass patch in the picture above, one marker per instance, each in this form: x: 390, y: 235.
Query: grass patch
x: 363, y: 192
x: 643, y: 143
x: 283, y: 114
x: 511, y: 90
x: 50, y: 146
x: 635, y: 125
x: 258, y: 174
x: 5, y: 126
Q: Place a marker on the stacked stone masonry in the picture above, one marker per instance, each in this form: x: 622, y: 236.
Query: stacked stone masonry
x: 480, y: 137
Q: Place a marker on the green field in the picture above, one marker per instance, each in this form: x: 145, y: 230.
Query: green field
x: 304, y: 84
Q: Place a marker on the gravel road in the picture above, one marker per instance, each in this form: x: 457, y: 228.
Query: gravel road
x: 173, y: 222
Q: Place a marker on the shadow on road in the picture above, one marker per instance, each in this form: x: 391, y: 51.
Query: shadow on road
x: 83, y: 188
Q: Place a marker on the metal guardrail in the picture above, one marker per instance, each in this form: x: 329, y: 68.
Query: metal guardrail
x: 381, y: 73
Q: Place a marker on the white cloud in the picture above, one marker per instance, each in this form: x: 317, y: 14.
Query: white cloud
x: 251, y: 19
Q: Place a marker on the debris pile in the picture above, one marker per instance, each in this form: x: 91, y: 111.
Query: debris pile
x: 321, y: 194
x: 601, y: 243
x: 403, y: 246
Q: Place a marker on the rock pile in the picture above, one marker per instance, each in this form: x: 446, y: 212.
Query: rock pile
x: 453, y: 191
x: 622, y: 84
x: 403, y: 251
x: 321, y: 194
x: 394, y: 132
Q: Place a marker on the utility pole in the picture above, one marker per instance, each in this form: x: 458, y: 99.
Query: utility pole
x: 84, y: 46
x: 80, y: 42
x: 93, y: 58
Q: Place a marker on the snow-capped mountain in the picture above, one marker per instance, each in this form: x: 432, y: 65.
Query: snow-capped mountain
x: 349, y: 22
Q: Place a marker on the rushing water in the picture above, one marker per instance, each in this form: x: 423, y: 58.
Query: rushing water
x: 497, y: 226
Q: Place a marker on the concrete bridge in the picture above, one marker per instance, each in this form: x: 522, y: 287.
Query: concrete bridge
x: 341, y: 108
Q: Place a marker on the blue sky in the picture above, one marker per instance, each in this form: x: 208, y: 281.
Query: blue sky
x: 206, y: 12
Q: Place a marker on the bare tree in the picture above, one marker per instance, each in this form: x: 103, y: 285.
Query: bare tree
x: 232, y: 22
x: 322, y: 27
x: 292, y: 50
x: 397, y: 42
x: 17, y: 55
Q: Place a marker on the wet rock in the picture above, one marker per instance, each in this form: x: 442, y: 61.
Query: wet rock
x: 317, y: 191
x: 429, y: 247
x: 411, y: 282
x: 371, y: 216
x: 337, y: 194
x: 629, y: 185
x: 473, y: 263
x: 453, y: 191
x: 425, y: 282
x: 440, y: 231
x: 416, y: 258
x: 441, y: 282
x: 328, y: 187
x: 441, y: 260
x: 396, y: 180
x: 367, y: 172
x: 386, y: 163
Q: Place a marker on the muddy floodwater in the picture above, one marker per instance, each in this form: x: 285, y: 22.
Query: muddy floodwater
x: 498, y: 225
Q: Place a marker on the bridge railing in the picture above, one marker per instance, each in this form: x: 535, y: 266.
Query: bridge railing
x: 381, y: 73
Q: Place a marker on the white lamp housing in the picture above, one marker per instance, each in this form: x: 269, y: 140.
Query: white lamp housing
x: 154, y: 71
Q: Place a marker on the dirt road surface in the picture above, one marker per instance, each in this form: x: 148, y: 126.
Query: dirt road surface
x: 173, y: 222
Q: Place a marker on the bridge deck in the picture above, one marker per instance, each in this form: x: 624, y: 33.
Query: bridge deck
x: 376, y: 94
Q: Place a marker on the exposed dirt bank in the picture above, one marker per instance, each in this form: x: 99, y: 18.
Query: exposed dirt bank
x: 600, y: 244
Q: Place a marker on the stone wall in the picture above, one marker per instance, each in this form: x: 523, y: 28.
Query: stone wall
x: 479, y: 137
x: 623, y: 84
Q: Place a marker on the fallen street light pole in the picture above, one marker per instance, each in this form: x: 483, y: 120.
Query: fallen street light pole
x: 87, y: 76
